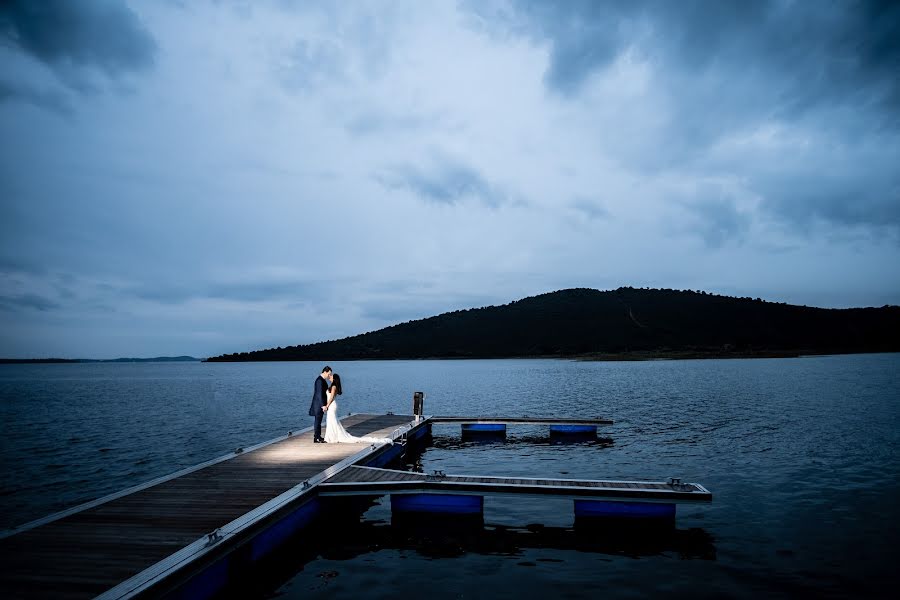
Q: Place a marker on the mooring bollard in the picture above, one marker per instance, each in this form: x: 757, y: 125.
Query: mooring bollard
x: 418, y: 404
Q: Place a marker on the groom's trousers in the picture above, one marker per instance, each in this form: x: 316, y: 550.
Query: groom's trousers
x: 317, y: 432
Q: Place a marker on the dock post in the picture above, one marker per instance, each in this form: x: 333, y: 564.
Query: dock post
x: 418, y: 404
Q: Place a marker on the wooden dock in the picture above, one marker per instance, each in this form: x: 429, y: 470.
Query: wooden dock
x: 123, y: 544
x: 189, y: 534
x: 359, y: 480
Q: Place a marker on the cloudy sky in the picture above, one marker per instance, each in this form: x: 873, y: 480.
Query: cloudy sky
x: 208, y: 177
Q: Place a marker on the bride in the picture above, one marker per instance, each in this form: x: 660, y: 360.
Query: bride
x: 334, y: 431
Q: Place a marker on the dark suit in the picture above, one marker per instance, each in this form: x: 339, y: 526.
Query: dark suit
x: 319, y: 398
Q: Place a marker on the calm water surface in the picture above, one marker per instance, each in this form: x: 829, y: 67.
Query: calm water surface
x: 800, y: 454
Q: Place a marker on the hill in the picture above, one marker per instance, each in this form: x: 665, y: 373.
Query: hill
x: 622, y: 323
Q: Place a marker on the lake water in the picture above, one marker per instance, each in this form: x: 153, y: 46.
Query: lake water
x: 802, y: 456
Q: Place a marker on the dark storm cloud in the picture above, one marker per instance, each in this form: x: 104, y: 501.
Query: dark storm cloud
x: 444, y: 182
x: 720, y: 66
x: 167, y: 293
x: 726, y: 68
x: 48, y: 100
x: 14, y: 264
x: 816, y: 52
x: 28, y: 301
x: 869, y: 199
x: 104, y: 34
x: 718, y: 221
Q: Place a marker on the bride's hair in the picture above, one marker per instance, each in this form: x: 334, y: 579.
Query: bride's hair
x: 336, y: 384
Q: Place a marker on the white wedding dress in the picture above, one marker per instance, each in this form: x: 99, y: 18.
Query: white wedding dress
x: 336, y: 434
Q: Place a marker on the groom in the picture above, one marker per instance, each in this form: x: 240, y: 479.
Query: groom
x: 319, y: 398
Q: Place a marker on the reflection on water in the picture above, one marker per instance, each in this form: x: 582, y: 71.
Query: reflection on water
x: 345, y: 535
x: 468, y: 439
x: 549, y: 439
x: 413, y: 460
x: 357, y: 529
x: 448, y: 536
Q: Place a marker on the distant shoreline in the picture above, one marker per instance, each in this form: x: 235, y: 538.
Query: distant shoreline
x: 698, y: 355
x: 51, y: 361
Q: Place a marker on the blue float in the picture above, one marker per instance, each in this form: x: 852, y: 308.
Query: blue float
x: 283, y: 529
x: 484, y: 430
x: 420, y: 433
x: 573, y: 429
x: 449, y: 504
x: 387, y: 455
x: 624, y: 510
x: 207, y: 584
x: 214, y: 578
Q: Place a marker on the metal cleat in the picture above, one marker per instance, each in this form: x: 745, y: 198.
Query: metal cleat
x: 676, y: 484
x: 213, y: 538
x: 436, y: 476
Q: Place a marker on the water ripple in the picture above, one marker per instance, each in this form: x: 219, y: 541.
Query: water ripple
x: 801, y: 455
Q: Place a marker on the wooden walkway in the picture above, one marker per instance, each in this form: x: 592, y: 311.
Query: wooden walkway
x: 357, y: 480
x: 149, y: 539
x: 145, y: 530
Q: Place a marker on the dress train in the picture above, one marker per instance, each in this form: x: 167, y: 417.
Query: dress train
x: 336, y: 434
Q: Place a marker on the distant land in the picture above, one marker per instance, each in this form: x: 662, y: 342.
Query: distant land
x: 623, y: 324
x: 24, y: 361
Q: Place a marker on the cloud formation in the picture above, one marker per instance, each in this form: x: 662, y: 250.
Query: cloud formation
x: 104, y: 34
x: 270, y: 174
x: 444, y: 181
x: 810, y: 55
x: 53, y: 101
x: 794, y: 73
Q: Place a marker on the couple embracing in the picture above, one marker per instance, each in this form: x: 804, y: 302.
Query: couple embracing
x: 326, y: 389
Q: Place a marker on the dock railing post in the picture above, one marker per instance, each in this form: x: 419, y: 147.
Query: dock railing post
x: 418, y: 404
